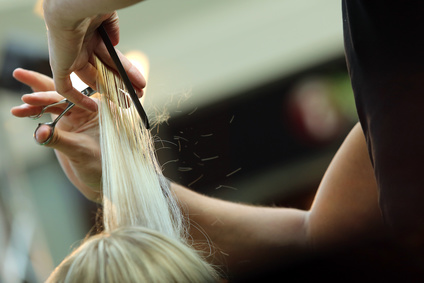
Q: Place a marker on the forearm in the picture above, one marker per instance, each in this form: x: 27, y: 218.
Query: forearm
x: 243, y: 233
x: 344, y: 211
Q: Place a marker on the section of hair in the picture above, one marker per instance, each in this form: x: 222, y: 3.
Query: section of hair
x: 134, y: 190
x: 144, y: 237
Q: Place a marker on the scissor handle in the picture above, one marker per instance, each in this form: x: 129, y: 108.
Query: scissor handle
x: 37, y: 116
x: 88, y: 92
x: 52, y: 126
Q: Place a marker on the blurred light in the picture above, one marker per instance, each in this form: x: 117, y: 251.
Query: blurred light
x: 315, y: 117
x: 137, y: 58
x: 140, y: 61
x: 38, y: 8
x: 77, y: 82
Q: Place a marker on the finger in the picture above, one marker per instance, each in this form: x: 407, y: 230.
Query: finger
x: 42, y: 134
x: 88, y: 74
x: 111, y: 25
x: 137, y: 79
x: 25, y: 110
x: 35, y: 80
x: 134, y: 74
x: 35, y: 102
x: 32, y: 111
x: 41, y: 98
x: 74, y: 145
x: 65, y: 88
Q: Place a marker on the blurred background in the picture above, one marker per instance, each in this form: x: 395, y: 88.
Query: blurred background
x: 255, y: 95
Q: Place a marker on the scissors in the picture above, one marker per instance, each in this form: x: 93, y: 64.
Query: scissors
x: 88, y: 92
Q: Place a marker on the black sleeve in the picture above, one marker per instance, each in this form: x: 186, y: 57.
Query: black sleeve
x: 384, y: 44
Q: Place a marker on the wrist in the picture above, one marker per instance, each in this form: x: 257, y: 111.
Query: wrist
x: 61, y: 14
x: 68, y: 15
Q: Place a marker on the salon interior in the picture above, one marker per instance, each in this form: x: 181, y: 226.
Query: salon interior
x: 253, y: 98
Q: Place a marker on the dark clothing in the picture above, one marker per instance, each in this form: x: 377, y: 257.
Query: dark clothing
x: 384, y: 43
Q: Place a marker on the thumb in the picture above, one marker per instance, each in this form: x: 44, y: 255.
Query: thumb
x: 78, y: 154
x: 66, y: 142
x: 42, y: 134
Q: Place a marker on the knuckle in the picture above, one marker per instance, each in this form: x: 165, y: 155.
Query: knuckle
x: 54, y: 141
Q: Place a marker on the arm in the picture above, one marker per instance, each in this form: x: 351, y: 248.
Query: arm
x: 346, y: 204
x: 240, y: 232
x: 73, y: 41
x: 345, y: 209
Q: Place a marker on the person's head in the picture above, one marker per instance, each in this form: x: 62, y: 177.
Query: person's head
x: 133, y: 254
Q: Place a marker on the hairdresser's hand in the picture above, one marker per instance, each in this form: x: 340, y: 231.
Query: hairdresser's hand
x: 76, y: 135
x: 73, y: 40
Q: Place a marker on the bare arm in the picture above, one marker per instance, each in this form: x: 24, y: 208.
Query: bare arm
x: 345, y: 208
x: 346, y: 204
x: 242, y: 232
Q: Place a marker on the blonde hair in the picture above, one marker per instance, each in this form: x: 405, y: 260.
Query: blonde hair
x: 144, y: 237
x: 133, y: 254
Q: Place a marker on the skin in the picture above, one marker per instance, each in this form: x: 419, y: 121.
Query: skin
x: 80, y: 127
x: 73, y: 41
x: 345, y: 208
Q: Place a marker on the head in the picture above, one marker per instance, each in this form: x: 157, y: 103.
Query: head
x: 133, y: 254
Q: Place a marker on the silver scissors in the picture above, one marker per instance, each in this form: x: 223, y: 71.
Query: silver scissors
x: 87, y: 92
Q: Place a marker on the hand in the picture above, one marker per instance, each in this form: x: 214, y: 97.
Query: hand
x: 76, y: 136
x: 73, y: 41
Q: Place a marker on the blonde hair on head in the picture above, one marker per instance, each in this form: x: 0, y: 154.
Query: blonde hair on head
x: 133, y: 254
x: 144, y: 237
